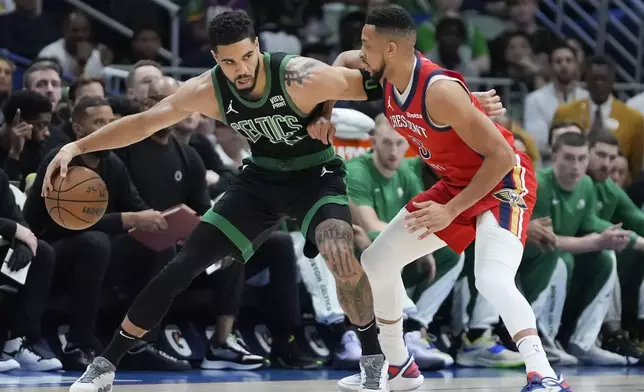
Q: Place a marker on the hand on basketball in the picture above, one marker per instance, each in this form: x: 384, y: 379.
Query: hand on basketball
x: 431, y: 216
x: 150, y: 221
x: 322, y: 129
x: 61, y: 161
x: 490, y: 102
x: 27, y: 236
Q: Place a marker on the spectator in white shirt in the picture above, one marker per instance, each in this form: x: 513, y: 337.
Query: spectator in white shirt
x: 75, y: 53
x: 540, y: 105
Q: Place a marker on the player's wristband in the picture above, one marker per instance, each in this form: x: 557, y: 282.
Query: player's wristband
x: 373, y: 89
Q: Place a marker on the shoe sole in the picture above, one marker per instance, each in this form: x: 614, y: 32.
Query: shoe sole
x: 223, y: 365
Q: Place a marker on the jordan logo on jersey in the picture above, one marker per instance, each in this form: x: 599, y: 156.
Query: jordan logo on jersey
x: 230, y: 108
x: 510, y: 196
x: 389, y: 103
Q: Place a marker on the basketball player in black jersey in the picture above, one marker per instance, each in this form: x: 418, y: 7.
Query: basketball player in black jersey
x: 276, y: 101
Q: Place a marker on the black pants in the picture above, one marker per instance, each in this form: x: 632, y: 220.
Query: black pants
x: 276, y: 254
x: 81, y: 262
x: 27, y: 312
x: 205, y: 245
x: 133, y: 266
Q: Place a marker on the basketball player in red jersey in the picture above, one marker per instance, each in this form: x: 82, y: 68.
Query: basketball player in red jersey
x: 487, y: 190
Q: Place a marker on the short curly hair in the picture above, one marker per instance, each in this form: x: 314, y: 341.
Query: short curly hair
x: 230, y: 27
x: 392, y: 19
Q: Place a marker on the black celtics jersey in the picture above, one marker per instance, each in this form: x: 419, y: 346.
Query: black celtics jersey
x: 274, y: 126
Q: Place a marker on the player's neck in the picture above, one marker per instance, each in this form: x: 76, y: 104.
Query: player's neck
x: 401, y: 73
x: 387, y: 173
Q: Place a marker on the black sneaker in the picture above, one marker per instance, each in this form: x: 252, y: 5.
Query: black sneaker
x: 234, y: 354
x: 619, y: 343
x: 147, y: 357
x: 294, y: 358
x: 78, y: 358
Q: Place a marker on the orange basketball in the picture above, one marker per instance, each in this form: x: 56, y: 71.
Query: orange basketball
x: 77, y: 201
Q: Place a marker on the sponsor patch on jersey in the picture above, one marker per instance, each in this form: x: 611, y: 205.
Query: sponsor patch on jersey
x: 510, y: 196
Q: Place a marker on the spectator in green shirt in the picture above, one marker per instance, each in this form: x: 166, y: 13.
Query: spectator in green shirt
x: 614, y: 205
x: 426, y: 34
x: 570, y: 257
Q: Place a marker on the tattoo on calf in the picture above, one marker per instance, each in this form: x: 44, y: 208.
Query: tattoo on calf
x: 356, y: 300
x: 298, y: 71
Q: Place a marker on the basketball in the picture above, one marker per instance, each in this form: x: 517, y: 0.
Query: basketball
x: 77, y: 201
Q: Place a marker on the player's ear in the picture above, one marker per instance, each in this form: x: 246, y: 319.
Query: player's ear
x: 77, y: 130
x: 257, y: 43
x: 392, y: 49
x: 214, y: 55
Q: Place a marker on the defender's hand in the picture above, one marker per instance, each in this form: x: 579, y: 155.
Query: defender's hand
x: 60, y: 161
x: 431, y: 216
x: 490, y: 102
x: 321, y: 129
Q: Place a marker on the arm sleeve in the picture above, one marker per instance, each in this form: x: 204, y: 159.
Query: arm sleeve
x: 198, y: 198
x: 373, y: 89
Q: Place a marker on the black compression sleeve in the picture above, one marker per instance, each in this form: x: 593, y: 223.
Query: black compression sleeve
x: 373, y: 89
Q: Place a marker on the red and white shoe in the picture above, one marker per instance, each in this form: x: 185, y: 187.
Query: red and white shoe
x: 400, y: 378
x: 536, y: 383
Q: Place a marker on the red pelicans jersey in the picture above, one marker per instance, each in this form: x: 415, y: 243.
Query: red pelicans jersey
x: 456, y: 162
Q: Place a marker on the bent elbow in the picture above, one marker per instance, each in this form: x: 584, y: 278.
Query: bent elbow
x: 506, y: 158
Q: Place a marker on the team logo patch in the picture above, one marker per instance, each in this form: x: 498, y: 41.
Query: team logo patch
x: 422, y: 150
x: 510, y: 196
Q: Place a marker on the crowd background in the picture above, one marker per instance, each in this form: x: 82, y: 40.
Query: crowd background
x: 569, y: 74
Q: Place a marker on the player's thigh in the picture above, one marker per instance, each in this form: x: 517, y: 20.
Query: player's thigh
x: 495, y: 243
x: 245, y: 216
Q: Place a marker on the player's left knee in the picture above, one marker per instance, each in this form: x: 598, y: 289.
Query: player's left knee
x: 334, y: 239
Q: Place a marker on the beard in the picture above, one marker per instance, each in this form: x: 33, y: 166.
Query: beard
x: 377, y: 76
x: 247, y: 90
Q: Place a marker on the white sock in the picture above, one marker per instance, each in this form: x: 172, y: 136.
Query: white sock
x: 534, y: 356
x: 392, y: 343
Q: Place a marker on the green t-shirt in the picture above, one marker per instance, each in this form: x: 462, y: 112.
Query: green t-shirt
x: 614, y: 205
x: 367, y: 187
x: 573, y: 213
x: 426, y: 38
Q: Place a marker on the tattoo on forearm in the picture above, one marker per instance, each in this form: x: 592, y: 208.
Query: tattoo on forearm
x: 334, y: 239
x: 298, y: 71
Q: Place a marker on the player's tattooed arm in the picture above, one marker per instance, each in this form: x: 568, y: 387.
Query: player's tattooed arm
x: 334, y: 239
x: 318, y: 82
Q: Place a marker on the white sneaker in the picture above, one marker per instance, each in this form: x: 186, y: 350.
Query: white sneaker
x: 405, y: 378
x: 8, y: 364
x: 598, y: 357
x: 232, y: 355
x: 98, y: 377
x: 349, y: 356
x: 555, y: 349
x: 30, y: 357
x: 487, y: 351
x: 427, y: 356
x: 373, y: 376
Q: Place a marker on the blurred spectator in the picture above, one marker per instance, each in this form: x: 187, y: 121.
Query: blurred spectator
x: 25, y: 323
x: 28, y: 115
x: 45, y: 78
x: 602, y: 112
x: 525, y: 139
x: 520, y: 61
x: 218, y: 175
x: 145, y: 45
x: 231, y: 146
x: 82, y: 256
x: 450, y: 50
x: 580, y: 54
x: 637, y: 102
x: 7, y: 68
x: 24, y: 32
x: 318, y: 51
x: 473, y: 39
x: 350, y: 33
x: 201, y: 55
x: 86, y: 87
x: 619, y: 172
x: 541, y: 105
x: 558, y: 128
x: 122, y: 106
x: 523, y: 17
x: 208, y: 9
x: 143, y: 73
x: 75, y: 52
